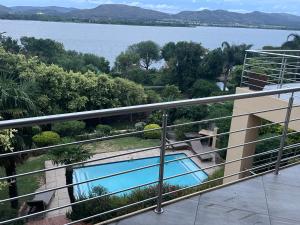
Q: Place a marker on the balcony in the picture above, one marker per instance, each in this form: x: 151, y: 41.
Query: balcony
x: 266, y: 200
x: 175, y: 181
x: 271, y: 70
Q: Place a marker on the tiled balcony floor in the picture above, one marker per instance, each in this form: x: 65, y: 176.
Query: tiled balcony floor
x: 265, y: 200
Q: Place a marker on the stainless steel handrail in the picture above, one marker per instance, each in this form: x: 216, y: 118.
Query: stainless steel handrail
x: 136, y: 109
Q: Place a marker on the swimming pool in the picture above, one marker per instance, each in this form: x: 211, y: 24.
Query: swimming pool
x: 136, y: 178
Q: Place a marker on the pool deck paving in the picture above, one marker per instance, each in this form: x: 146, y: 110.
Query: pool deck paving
x: 264, y: 200
x: 56, y: 178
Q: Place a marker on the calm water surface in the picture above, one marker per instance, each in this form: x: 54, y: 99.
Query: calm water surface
x: 110, y: 40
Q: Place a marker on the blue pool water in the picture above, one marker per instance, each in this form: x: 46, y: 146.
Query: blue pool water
x: 128, y: 180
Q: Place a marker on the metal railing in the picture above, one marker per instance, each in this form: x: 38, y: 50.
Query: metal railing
x: 282, y: 152
x: 271, y: 69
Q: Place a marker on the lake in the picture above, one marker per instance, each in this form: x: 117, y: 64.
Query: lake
x: 110, y: 40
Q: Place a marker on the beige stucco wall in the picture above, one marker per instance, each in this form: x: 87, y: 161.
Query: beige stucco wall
x: 248, y: 106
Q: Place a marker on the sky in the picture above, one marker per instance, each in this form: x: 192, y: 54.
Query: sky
x: 173, y: 6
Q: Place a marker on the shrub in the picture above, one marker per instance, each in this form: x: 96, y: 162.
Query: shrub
x: 107, y: 203
x: 36, y: 130
x: 203, y: 88
x: 155, y: 117
x: 140, y: 126
x: 153, y: 134
x: 171, y: 93
x: 103, y: 130
x: 46, y: 138
x: 69, y: 128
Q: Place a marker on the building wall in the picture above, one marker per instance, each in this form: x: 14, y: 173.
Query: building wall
x: 244, y: 106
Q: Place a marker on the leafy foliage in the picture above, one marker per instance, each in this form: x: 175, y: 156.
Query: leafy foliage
x: 171, y: 93
x: 103, y: 130
x: 293, y: 42
x: 69, y: 154
x: 69, y: 128
x: 109, y: 202
x: 140, y: 126
x: 50, y: 51
x: 58, y: 91
x: 15, y: 101
x: 223, y: 125
x: 181, y: 130
x: 147, y: 53
x: 152, y: 134
x: 46, y: 138
x: 183, y: 60
x: 203, y: 88
x: 152, y: 96
x: 193, y: 113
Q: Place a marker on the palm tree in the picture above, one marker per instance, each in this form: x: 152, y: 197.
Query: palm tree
x: 68, y: 155
x: 14, y: 103
x: 233, y: 55
x: 292, y: 44
x: 228, y: 52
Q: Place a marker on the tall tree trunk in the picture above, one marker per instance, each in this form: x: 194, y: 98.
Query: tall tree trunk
x: 69, y: 180
x: 10, y: 170
x: 226, y: 79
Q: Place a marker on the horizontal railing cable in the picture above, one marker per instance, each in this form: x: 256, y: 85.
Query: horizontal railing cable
x: 120, y: 208
x: 128, y: 171
x: 149, y: 166
x: 129, y: 134
x: 142, y: 150
x: 128, y: 189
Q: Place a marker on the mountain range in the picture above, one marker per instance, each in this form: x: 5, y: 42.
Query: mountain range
x: 127, y: 14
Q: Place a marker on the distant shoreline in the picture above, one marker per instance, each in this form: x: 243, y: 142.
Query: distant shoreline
x: 156, y: 24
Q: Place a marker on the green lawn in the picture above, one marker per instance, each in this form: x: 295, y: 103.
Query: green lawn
x: 26, y: 184
x: 124, y: 144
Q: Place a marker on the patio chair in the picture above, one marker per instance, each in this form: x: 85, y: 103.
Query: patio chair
x: 40, y: 202
x: 198, y: 148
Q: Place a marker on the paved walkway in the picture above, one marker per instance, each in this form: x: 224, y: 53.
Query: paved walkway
x: 57, y: 220
x: 56, y: 178
x: 265, y: 200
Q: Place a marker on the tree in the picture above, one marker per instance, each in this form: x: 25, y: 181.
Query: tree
x: 68, y: 155
x: 168, y: 51
x: 9, y: 44
x: 147, y: 51
x: 236, y: 76
x: 125, y: 62
x: 212, y: 64
x: 217, y: 111
x: 183, y: 61
x: 193, y: 113
x: 292, y: 44
x: 46, y: 49
x: 233, y: 55
x: 53, y: 52
x: 152, y: 96
x: 171, y: 93
x: 14, y: 103
x: 203, y: 88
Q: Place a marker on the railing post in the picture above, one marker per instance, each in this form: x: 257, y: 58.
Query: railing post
x: 160, y: 185
x: 284, y: 133
x: 282, y: 72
